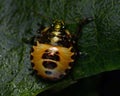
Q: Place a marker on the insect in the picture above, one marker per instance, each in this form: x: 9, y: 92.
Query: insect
x: 54, y: 51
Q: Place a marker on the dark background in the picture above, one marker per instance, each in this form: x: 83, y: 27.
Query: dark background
x: 104, y: 84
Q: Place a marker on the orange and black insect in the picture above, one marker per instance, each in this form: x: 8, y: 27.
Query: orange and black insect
x: 54, y: 51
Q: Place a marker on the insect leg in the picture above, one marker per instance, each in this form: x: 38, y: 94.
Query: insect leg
x: 32, y: 40
x: 81, y: 24
x: 41, y: 27
x: 77, y: 36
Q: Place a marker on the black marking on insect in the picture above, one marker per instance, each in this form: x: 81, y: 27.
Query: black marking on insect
x: 49, y: 64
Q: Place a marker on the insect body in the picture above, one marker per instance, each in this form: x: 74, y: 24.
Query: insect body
x: 54, y: 51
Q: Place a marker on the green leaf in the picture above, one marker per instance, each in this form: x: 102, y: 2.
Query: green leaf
x: 18, y: 20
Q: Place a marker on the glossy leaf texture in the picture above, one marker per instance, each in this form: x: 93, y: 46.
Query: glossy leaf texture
x: 18, y: 20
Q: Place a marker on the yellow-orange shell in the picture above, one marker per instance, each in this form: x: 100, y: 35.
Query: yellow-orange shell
x: 62, y: 65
